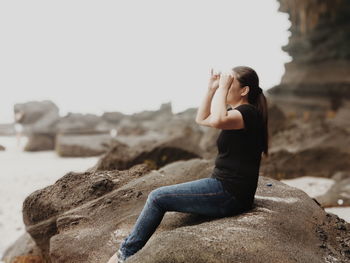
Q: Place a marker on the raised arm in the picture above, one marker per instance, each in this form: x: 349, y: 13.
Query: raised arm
x: 203, y: 113
x: 219, y: 107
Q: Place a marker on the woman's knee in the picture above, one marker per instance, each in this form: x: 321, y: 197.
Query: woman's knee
x: 154, y: 194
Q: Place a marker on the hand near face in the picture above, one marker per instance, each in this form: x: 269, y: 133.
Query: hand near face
x: 214, y: 80
x: 225, y: 80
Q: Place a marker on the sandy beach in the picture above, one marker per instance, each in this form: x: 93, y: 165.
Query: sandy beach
x: 23, y: 173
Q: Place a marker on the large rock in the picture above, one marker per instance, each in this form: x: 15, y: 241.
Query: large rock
x: 96, y: 210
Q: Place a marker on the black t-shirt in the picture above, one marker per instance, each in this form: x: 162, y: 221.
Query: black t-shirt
x: 239, y: 154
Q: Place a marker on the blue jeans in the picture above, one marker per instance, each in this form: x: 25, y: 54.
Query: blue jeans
x: 203, y: 197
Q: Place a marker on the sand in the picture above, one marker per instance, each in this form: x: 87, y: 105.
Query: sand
x: 21, y: 174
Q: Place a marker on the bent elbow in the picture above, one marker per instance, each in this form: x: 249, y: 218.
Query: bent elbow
x: 215, y: 123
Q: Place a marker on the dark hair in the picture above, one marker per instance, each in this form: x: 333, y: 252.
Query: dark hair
x: 247, y: 76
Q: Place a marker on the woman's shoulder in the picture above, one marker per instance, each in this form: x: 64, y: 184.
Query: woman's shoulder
x: 250, y: 108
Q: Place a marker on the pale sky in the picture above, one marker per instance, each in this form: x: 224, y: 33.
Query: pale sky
x: 133, y: 55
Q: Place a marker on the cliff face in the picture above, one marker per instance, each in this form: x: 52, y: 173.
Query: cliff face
x: 320, y: 48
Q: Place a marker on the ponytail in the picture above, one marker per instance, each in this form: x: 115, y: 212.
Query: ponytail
x: 261, y: 105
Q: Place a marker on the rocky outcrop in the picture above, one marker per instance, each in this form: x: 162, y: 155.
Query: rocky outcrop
x: 165, y: 111
x: 277, y: 119
x: 317, y: 78
x: 96, y: 210
x: 316, y: 161
x: 155, y: 153
x: 308, y: 147
x: 77, y: 145
x: 339, y: 193
x: 78, y: 123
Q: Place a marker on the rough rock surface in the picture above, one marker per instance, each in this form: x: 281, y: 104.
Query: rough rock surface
x: 96, y: 210
x: 339, y: 193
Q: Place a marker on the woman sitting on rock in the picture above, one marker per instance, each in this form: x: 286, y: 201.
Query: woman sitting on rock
x: 231, y: 187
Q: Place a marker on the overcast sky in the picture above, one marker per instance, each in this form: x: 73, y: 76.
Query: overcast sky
x: 133, y: 55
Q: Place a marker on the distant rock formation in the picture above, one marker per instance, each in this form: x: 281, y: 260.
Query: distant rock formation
x: 308, y: 147
x: 38, y: 120
x: 82, y: 145
x: 318, y: 76
x: 7, y: 129
x: 37, y: 117
x: 78, y: 123
x: 155, y: 153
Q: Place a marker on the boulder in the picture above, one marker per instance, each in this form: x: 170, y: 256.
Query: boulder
x: 96, y: 210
